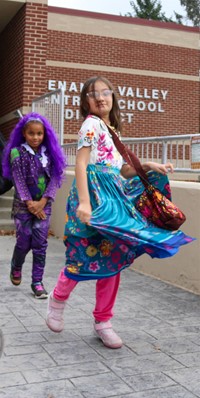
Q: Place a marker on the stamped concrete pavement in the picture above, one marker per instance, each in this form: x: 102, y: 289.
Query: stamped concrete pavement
x: 159, y: 324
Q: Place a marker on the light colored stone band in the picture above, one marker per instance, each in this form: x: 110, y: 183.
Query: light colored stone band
x: 103, y: 68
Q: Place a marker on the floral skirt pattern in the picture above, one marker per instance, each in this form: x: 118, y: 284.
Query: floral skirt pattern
x: 117, y: 233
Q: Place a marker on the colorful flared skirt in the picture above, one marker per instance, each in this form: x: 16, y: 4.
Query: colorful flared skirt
x: 117, y: 233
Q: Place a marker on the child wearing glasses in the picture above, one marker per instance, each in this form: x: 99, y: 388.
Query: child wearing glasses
x: 35, y: 162
x: 104, y: 232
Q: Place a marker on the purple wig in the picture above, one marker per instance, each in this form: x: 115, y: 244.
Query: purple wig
x: 50, y: 141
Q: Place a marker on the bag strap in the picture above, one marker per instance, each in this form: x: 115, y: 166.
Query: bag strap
x: 129, y: 156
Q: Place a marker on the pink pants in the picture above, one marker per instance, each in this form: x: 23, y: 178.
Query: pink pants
x: 106, y: 292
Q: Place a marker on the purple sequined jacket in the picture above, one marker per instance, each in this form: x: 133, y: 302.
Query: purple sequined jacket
x: 32, y: 179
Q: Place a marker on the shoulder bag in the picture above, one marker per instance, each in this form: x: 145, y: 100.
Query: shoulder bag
x: 161, y: 211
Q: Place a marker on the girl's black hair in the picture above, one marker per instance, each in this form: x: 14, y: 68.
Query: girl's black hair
x: 115, y: 118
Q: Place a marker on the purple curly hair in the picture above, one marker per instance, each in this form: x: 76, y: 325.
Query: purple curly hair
x: 50, y: 141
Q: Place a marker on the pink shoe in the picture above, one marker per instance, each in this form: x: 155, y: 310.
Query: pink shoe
x: 55, y: 310
x: 107, y: 335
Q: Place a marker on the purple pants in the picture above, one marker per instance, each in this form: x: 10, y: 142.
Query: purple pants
x: 31, y: 234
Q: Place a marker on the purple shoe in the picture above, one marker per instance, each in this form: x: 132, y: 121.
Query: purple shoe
x: 15, y: 277
x: 39, y: 290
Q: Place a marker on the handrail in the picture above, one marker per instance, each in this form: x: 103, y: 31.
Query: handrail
x: 159, y: 138
x: 173, y: 148
x: 51, y: 105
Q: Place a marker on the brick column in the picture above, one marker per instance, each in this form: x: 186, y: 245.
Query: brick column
x: 35, y: 48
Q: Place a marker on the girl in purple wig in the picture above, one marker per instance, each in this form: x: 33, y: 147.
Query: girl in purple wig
x: 34, y: 160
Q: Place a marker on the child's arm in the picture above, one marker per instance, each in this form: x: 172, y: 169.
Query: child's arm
x: 84, y: 209
x: 51, y: 188
x: 159, y: 167
x: 17, y: 176
x: 129, y: 172
x: 36, y: 207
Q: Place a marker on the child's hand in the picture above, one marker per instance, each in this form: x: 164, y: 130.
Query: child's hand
x: 84, y: 212
x: 160, y: 168
x: 36, y: 207
x: 33, y: 207
x: 41, y: 215
x: 29, y: 204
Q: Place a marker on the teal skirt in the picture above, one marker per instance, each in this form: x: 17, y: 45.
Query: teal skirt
x: 117, y: 233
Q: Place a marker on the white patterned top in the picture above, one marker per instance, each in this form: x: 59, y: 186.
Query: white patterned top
x: 95, y: 133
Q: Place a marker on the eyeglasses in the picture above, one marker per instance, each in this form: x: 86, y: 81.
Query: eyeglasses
x: 96, y: 94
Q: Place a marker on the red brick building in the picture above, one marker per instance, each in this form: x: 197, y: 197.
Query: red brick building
x: 154, y: 66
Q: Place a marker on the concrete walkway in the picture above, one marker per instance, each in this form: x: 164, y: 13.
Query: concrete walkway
x: 159, y: 323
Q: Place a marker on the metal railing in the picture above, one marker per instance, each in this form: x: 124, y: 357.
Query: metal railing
x: 177, y: 149
x: 51, y: 105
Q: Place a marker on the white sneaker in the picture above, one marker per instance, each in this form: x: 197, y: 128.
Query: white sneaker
x: 107, y: 335
x: 55, y: 311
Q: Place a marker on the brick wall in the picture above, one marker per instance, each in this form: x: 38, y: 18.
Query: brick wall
x: 23, y: 60
x: 12, y: 63
x: 35, y: 49
x: 181, y: 108
x: 27, y: 44
x: 75, y: 47
x: 168, y: 67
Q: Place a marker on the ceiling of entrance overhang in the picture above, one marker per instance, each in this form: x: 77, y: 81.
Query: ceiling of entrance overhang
x: 8, y: 8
